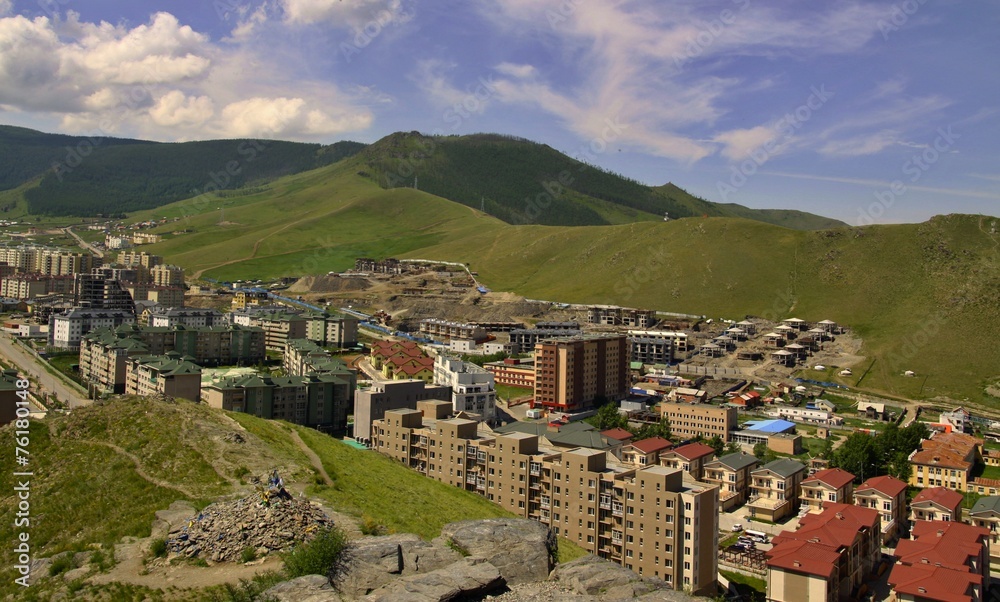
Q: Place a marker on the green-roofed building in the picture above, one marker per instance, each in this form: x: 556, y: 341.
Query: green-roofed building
x: 171, y: 375
x: 332, y: 329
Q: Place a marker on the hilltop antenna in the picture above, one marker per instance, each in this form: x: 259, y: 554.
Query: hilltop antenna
x: 415, y: 183
x: 482, y: 204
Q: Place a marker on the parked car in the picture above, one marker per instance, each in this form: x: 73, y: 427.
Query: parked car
x: 737, y: 528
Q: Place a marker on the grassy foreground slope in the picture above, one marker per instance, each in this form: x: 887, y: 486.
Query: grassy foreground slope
x: 102, y: 472
x: 926, y: 297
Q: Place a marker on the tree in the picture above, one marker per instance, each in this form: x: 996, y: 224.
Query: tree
x: 654, y: 429
x: 859, y: 455
x: 826, y: 452
x: 717, y: 444
x: 764, y: 453
x: 733, y: 448
x: 608, y: 417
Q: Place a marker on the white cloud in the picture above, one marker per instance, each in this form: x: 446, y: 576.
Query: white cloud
x: 866, y: 144
x: 175, y: 109
x: 164, y: 80
x: 6, y: 7
x: 514, y: 70
x: 355, y: 14
x: 737, y: 144
x: 634, y: 63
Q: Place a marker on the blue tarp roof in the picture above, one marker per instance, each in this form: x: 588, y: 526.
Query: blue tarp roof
x: 769, y: 426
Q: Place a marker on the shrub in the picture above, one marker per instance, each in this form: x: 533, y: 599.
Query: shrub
x: 62, y: 564
x: 370, y: 526
x: 249, y: 554
x: 317, y: 556
x: 158, y: 547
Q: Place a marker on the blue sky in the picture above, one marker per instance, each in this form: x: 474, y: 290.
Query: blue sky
x: 862, y: 111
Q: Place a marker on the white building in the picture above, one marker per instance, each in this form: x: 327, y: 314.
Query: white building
x: 66, y: 329
x: 189, y: 317
x: 472, y: 388
x: 806, y: 415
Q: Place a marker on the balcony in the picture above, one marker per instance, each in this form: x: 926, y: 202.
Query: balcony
x: 534, y: 484
x: 605, y: 503
x: 544, y: 503
x: 616, y: 538
x: 618, y: 509
x: 481, y: 457
x: 471, y: 478
x: 768, y: 503
x: 471, y: 452
x: 535, y: 469
x: 481, y: 484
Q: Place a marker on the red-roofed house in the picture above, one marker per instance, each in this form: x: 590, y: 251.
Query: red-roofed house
x: 645, y: 452
x: 850, y: 535
x: 936, y: 503
x: 833, y: 485
x: 946, y: 460
x: 953, y: 558
x: 801, y: 570
x: 690, y: 458
x: 618, y: 434
x: 888, y: 496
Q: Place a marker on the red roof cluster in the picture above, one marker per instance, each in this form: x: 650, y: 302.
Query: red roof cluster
x: 692, y: 451
x: 891, y: 486
x: 834, y: 477
x: 937, y: 564
x: 925, y: 581
x: 618, y: 433
x: 941, y: 496
x: 653, y: 444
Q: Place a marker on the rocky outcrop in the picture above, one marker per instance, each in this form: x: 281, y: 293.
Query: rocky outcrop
x: 523, y: 550
x: 507, y: 559
x: 468, y: 578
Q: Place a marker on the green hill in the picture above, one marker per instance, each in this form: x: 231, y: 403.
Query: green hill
x: 923, y: 296
x: 516, y: 180
x: 74, y: 175
x: 102, y: 472
x: 523, y: 182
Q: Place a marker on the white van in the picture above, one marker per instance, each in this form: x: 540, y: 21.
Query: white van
x: 758, y: 536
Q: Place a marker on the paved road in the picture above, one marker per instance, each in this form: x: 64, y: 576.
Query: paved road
x: 33, y: 366
x: 83, y: 243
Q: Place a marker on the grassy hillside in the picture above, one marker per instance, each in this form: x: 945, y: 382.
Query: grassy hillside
x: 924, y: 296
x: 102, y: 472
x: 523, y: 182
x: 90, y: 176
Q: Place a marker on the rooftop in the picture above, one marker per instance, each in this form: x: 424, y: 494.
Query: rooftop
x: 783, y: 467
x: 890, y: 486
x: 834, y: 477
x: 738, y: 460
x: 931, y: 582
x: 940, y: 496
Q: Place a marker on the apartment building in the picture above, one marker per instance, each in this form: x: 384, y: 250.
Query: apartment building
x: 302, y: 356
x: 690, y: 458
x: 936, y: 504
x: 103, y: 361
x: 887, y: 495
x: 651, y: 351
x: 612, y: 315
x: 946, y: 460
x: 524, y: 340
x: 944, y: 561
x: 829, y: 555
x: 986, y: 514
x: 189, y: 317
x: 678, y: 339
x: 279, y: 328
x: 372, y: 403
x: 319, y: 401
x: 446, y: 329
x: 731, y: 474
x: 50, y: 261
x: 825, y: 487
x: 651, y: 520
x: 30, y: 286
x: 703, y: 420
x: 245, y: 298
x: 167, y: 275
x: 472, y: 388
x: 571, y: 373
x: 66, y: 329
x: 167, y: 375
x: 332, y: 329
x: 775, y: 488
x: 208, y: 345
x: 515, y: 372
x: 140, y: 259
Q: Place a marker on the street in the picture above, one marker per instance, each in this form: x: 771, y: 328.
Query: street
x: 33, y: 367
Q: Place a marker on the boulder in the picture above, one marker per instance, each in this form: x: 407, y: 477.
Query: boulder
x: 420, y: 556
x: 522, y: 550
x: 369, y: 563
x: 594, y: 576
x: 468, y: 578
x: 310, y: 588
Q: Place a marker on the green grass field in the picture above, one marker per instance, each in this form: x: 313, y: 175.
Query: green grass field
x: 924, y: 297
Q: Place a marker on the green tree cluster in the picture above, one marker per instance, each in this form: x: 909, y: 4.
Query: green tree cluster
x: 884, y: 454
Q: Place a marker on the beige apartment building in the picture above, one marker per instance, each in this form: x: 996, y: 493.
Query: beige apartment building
x: 571, y: 373
x: 830, y: 486
x: 775, y: 489
x: 887, y: 495
x: 163, y: 375
x: 687, y: 420
x: 731, y: 474
x: 279, y: 328
x: 654, y: 520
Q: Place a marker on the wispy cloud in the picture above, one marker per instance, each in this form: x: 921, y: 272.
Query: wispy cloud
x: 979, y: 194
